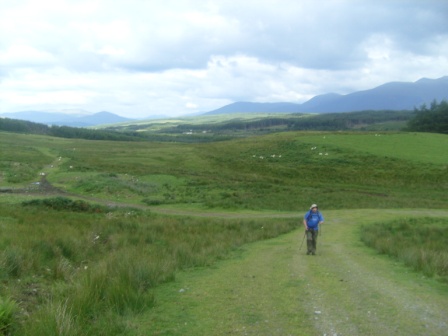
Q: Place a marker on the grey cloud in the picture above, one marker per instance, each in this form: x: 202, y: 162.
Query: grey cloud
x: 161, y: 54
x: 332, y: 37
x: 297, y: 32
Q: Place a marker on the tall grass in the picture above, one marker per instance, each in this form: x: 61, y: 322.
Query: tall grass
x: 83, y: 273
x: 8, y: 312
x: 420, y: 243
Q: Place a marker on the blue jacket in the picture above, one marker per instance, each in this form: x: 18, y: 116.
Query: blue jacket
x: 313, y: 219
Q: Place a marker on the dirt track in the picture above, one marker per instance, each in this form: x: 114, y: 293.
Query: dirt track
x: 275, y: 289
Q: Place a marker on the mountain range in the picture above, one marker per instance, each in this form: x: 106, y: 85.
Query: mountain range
x: 389, y: 96
x: 65, y: 119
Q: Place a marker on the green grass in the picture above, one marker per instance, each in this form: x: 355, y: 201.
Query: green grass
x: 413, y: 147
x: 80, y: 269
x: 8, y: 312
x: 418, y: 242
x: 348, y: 170
x: 273, y: 288
x: 224, y: 127
x: 78, y: 272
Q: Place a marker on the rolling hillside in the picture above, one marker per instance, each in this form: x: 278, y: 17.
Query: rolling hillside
x: 275, y: 171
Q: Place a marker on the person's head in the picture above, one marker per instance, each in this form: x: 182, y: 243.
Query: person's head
x: 313, y: 207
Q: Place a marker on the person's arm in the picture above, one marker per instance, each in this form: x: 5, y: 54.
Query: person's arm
x: 321, y: 220
x: 305, y: 224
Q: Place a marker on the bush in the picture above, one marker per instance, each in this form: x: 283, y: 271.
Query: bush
x: 66, y: 204
x: 152, y: 202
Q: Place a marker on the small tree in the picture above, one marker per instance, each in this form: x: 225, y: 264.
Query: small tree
x: 433, y: 119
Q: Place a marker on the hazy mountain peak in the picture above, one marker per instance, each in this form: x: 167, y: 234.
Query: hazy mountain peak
x: 388, y: 96
x: 64, y: 119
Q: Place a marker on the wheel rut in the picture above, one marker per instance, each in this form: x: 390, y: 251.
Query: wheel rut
x: 274, y: 288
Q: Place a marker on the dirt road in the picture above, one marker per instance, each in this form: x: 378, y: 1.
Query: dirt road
x: 272, y: 288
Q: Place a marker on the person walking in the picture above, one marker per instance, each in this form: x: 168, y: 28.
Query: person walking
x: 312, y: 219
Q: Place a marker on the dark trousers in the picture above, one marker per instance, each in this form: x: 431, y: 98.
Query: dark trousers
x: 311, y: 240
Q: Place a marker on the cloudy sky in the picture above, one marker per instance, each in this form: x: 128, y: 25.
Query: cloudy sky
x: 139, y: 58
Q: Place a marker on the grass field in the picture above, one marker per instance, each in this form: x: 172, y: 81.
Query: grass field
x: 225, y: 126
x: 419, y: 243
x: 414, y: 147
x: 67, y: 263
x: 282, y: 171
x: 274, y: 288
x: 75, y: 269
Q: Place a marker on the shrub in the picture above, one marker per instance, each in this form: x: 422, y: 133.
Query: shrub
x: 152, y: 202
x: 66, y: 204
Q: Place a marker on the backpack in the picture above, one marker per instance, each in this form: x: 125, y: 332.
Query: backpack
x: 310, y: 213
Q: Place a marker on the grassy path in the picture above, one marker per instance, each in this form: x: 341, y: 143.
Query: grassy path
x: 272, y: 288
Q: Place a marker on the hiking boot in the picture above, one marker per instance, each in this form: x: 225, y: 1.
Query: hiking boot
x: 308, y: 253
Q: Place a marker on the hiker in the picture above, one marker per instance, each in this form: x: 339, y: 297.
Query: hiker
x: 312, y: 219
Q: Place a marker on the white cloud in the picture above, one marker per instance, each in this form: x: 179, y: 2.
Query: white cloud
x: 138, y: 58
x: 20, y: 55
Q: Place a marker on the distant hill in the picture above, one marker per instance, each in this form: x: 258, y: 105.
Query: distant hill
x: 63, y: 119
x: 390, y: 96
x: 29, y: 127
x: 247, y: 107
x: 102, y: 118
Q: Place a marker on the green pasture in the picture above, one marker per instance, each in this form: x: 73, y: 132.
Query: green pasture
x: 416, y: 147
x: 160, y: 124
x: 208, y: 128
x: 283, y: 171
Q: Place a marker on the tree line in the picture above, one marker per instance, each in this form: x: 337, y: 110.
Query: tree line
x: 28, y: 127
x: 300, y: 122
x: 424, y: 119
x: 433, y: 119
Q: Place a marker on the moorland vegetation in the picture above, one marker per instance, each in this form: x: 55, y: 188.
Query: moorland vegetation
x: 68, y: 270
x: 84, y: 242
x: 418, y: 242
